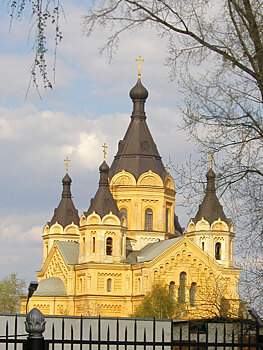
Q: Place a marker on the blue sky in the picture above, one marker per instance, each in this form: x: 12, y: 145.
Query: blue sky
x: 88, y: 106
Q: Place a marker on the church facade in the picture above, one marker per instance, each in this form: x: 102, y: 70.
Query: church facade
x: 105, y: 261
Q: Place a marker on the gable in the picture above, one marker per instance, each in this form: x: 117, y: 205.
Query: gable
x: 183, y: 253
x: 55, y: 265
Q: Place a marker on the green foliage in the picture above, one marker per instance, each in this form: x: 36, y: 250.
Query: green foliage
x: 11, y: 290
x: 157, y: 303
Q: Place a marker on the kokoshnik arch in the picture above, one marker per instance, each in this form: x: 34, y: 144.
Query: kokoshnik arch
x: 104, y: 262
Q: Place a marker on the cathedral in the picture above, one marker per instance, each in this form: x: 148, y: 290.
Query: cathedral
x: 106, y: 260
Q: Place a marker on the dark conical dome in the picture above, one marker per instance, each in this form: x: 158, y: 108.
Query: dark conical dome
x: 103, y: 203
x: 211, y: 209
x: 139, y: 92
x: 137, y: 152
x: 65, y: 213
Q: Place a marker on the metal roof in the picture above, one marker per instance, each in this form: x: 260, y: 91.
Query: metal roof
x: 69, y: 251
x: 51, y: 287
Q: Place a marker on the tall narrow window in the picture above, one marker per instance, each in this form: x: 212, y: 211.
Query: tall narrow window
x: 167, y: 220
x: 109, y: 246
x: 203, y: 245
x: 218, y: 251
x: 93, y: 244
x: 84, y: 246
x: 171, y: 290
x: 192, y: 294
x: 181, y: 290
x: 109, y: 285
x: 148, y: 220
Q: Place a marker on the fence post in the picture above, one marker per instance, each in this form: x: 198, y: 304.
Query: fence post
x: 35, y: 326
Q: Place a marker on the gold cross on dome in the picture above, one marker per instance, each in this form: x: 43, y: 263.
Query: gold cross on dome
x: 211, y: 154
x: 140, y: 60
x: 67, y: 160
x: 104, y: 150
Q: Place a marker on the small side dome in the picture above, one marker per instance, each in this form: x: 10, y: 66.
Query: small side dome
x: 66, y: 179
x: 104, y: 168
x: 139, y: 92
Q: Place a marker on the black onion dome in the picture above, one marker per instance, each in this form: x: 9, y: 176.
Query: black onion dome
x: 65, y: 213
x: 139, y: 92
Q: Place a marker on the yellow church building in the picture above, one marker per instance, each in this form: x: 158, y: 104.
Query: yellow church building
x: 104, y: 262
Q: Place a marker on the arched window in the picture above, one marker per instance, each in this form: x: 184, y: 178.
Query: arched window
x: 181, y: 290
x: 148, y: 220
x: 124, y: 213
x: 167, y: 220
x: 192, y: 294
x: 109, y: 285
x: 171, y: 290
x: 93, y: 244
x: 109, y: 246
x: 218, y: 251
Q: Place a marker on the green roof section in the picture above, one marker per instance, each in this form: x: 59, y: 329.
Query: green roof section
x: 51, y: 287
x: 69, y: 251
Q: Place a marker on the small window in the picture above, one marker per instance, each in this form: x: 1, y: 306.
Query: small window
x: 203, y: 245
x: 167, y: 220
x: 192, y: 294
x: 148, y: 220
x: 218, y: 251
x: 93, y: 244
x: 109, y: 246
x: 171, y: 290
x: 124, y: 216
x: 109, y: 285
x: 181, y: 290
x: 123, y: 212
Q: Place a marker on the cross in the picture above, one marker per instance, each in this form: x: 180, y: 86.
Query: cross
x: 104, y: 150
x: 167, y: 168
x: 211, y: 159
x: 140, y: 60
x: 67, y: 160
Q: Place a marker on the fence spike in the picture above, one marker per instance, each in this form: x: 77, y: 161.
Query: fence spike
x: 63, y: 333
x: 53, y: 336
x: 117, y: 334
x: 144, y: 339
x: 71, y: 337
x: 15, y: 332
x: 81, y: 332
x: 108, y: 337
x: 125, y: 338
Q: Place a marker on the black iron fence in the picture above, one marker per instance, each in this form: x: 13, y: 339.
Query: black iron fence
x: 130, y: 334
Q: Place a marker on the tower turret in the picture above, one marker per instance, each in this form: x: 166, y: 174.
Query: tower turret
x: 143, y: 189
x: 102, y: 227
x: 64, y: 224
x: 210, y: 229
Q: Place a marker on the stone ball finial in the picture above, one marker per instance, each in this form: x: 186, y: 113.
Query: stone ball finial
x: 35, y: 323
